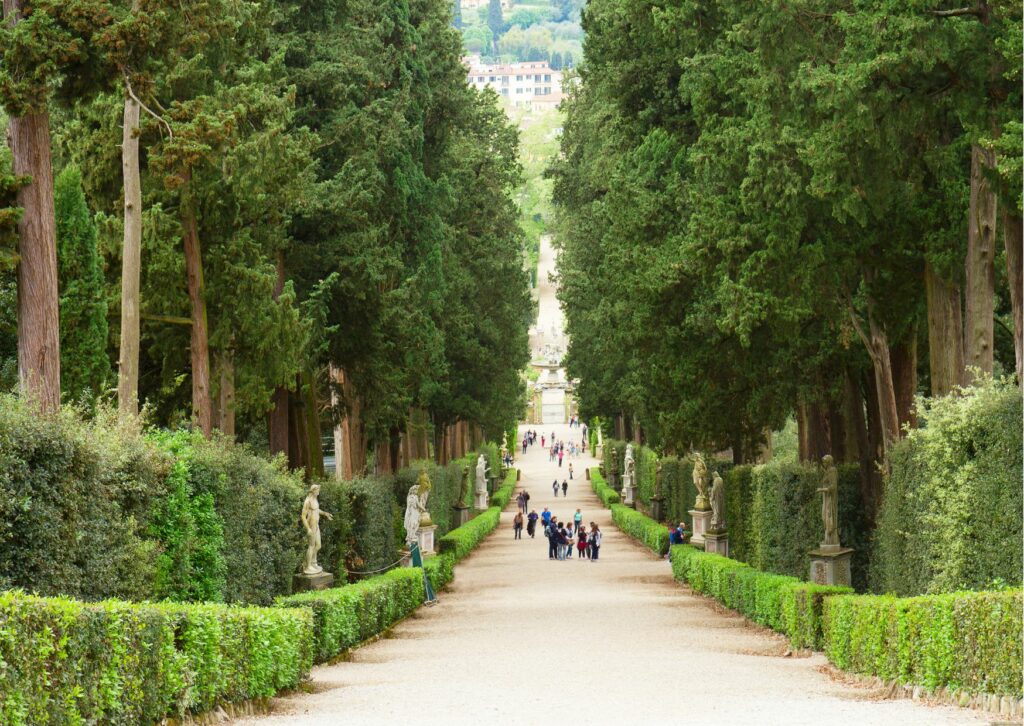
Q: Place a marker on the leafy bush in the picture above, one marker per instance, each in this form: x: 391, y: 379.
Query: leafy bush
x: 967, y: 641
x: 503, y: 496
x: 951, y: 514
x: 115, y: 662
x: 373, y: 523
x: 440, y: 570
x: 782, y: 603
x: 346, y: 616
x: 605, y: 493
x: 462, y: 540
x: 641, y: 527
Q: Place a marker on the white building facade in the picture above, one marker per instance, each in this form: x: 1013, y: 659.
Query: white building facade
x: 532, y: 83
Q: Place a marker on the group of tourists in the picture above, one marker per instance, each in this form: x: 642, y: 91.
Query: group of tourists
x: 559, y: 449
x: 529, y: 439
x: 563, y: 537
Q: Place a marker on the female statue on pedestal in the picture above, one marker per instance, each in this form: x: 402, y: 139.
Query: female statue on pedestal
x: 830, y: 502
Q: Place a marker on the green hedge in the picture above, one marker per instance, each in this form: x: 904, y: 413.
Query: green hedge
x: 605, y: 493
x: 440, y: 570
x: 115, y: 662
x: 640, y: 527
x: 951, y: 514
x: 503, y: 496
x: 782, y: 603
x: 968, y: 641
x: 346, y: 616
x: 462, y: 540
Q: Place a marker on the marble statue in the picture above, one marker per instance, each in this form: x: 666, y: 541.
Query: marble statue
x: 311, y: 514
x: 416, y: 514
x: 829, y: 502
x: 700, y: 480
x: 629, y: 464
x: 657, y: 481
x: 717, y: 504
x: 481, y: 474
x: 504, y: 448
x: 464, y: 487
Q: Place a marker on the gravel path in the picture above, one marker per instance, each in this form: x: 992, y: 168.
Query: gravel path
x: 520, y: 639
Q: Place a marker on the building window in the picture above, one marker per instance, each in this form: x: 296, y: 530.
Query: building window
x: 547, y: 78
x: 536, y: 78
x: 519, y: 78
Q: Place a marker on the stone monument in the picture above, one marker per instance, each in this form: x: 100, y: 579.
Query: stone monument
x: 483, y: 499
x: 658, y: 500
x: 701, y: 511
x: 312, y: 576
x: 600, y: 444
x: 613, y: 475
x: 830, y: 563
x: 629, y: 478
x: 419, y: 527
x: 460, y: 507
x: 716, y: 538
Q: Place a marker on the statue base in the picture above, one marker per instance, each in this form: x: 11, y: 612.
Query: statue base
x: 406, y: 557
x: 320, y: 581
x: 717, y: 543
x: 830, y: 565
x: 587, y: 473
x: 629, y: 496
x: 483, y: 500
x: 425, y: 538
x: 657, y: 508
x: 461, y: 515
x: 701, y: 524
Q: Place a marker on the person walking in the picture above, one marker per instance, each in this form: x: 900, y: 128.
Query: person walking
x: 562, y: 541
x: 582, y: 548
x: 524, y: 444
x: 551, y: 532
x: 568, y: 542
x: 521, y: 502
x: 554, y: 487
x: 546, y: 516
x: 578, y: 518
x: 531, y: 523
x: 570, y: 470
x: 542, y: 441
x: 560, y: 454
x: 517, y: 525
x: 565, y: 488
x: 595, y: 541
x: 526, y: 500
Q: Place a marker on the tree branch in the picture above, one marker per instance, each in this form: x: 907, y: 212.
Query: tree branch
x: 957, y: 12
x: 173, y: 319
x: 147, y: 109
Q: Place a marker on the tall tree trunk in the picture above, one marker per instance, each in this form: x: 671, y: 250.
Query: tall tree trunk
x: 837, y: 431
x: 226, y: 397
x: 870, y: 482
x: 812, y: 432
x: 885, y: 388
x: 1013, y: 240
x: 904, y: 371
x: 340, y: 457
x: 314, y: 443
x: 38, y: 295
x: 131, y: 263
x: 298, y: 448
x: 200, y: 342
x: 980, y: 264
x: 945, y: 333
x: 278, y: 418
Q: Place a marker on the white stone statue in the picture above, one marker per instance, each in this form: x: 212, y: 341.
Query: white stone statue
x: 416, y: 514
x: 481, y: 474
x: 700, y: 481
x: 718, y: 504
x: 830, y: 502
x: 311, y: 514
x: 629, y: 476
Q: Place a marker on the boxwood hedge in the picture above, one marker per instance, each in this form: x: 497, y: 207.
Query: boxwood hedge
x: 640, y: 527
x: 114, y: 662
x: 605, y: 493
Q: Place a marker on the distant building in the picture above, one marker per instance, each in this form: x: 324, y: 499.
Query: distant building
x: 473, y: 4
x: 532, y: 83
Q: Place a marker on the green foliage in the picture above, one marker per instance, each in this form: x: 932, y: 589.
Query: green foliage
x: 373, y: 523
x: 639, y: 526
x: 950, y: 518
x: 968, y: 641
x: 345, y: 616
x: 503, y: 495
x: 125, y: 663
x: 85, y: 368
x: 440, y: 570
x: 605, y: 493
x: 782, y: 603
x: 462, y: 540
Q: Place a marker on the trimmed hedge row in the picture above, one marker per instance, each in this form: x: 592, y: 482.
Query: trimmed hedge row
x: 782, y: 603
x: 605, y: 493
x: 346, y: 616
x: 503, y: 496
x: 641, y: 527
x: 65, y: 661
x: 462, y: 540
x: 968, y: 641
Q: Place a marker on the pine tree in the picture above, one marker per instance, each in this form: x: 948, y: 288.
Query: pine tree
x: 83, y: 306
x: 556, y: 61
x: 495, y: 21
x: 457, y: 20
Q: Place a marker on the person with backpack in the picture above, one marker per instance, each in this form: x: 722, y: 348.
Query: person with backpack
x: 531, y: 523
x: 546, y: 516
x: 554, y: 487
x: 517, y: 525
x: 526, y: 500
x: 595, y: 541
x: 583, y: 549
x: 521, y: 502
x: 562, y: 541
x: 551, y: 532
x: 565, y: 488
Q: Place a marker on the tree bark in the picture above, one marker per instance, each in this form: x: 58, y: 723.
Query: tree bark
x: 226, y: 397
x: 1013, y: 240
x: 314, y: 444
x: 340, y: 457
x: 812, y: 432
x: 38, y: 295
x: 945, y: 333
x: 277, y: 420
x: 904, y: 371
x: 870, y: 482
x: 885, y: 388
x: 131, y: 263
x: 200, y: 345
x: 980, y: 265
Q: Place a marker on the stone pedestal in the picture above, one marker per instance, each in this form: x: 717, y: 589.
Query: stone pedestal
x: 701, y: 524
x: 830, y: 565
x: 482, y: 501
x: 717, y: 543
x: 629, y: 496
x: 460, y: 514
x: 657, y: 508
x: 320, y: 581
x: 587, y: 472
x: 426, y: 539
x: 406, y: 556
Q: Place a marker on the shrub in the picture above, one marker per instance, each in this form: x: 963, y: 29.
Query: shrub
x: 641, y: 527
x: 951, y: 514
x: 440, y: 569
x: 346, y: 616
x: 503, y: 496
x: 374, y: 510
x: 967, y: 641
x: 121, y: 663
x: 462, y: 540
x: 605, y: 493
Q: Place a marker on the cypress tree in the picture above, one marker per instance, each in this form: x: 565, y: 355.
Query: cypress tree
x: 83, y: 306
